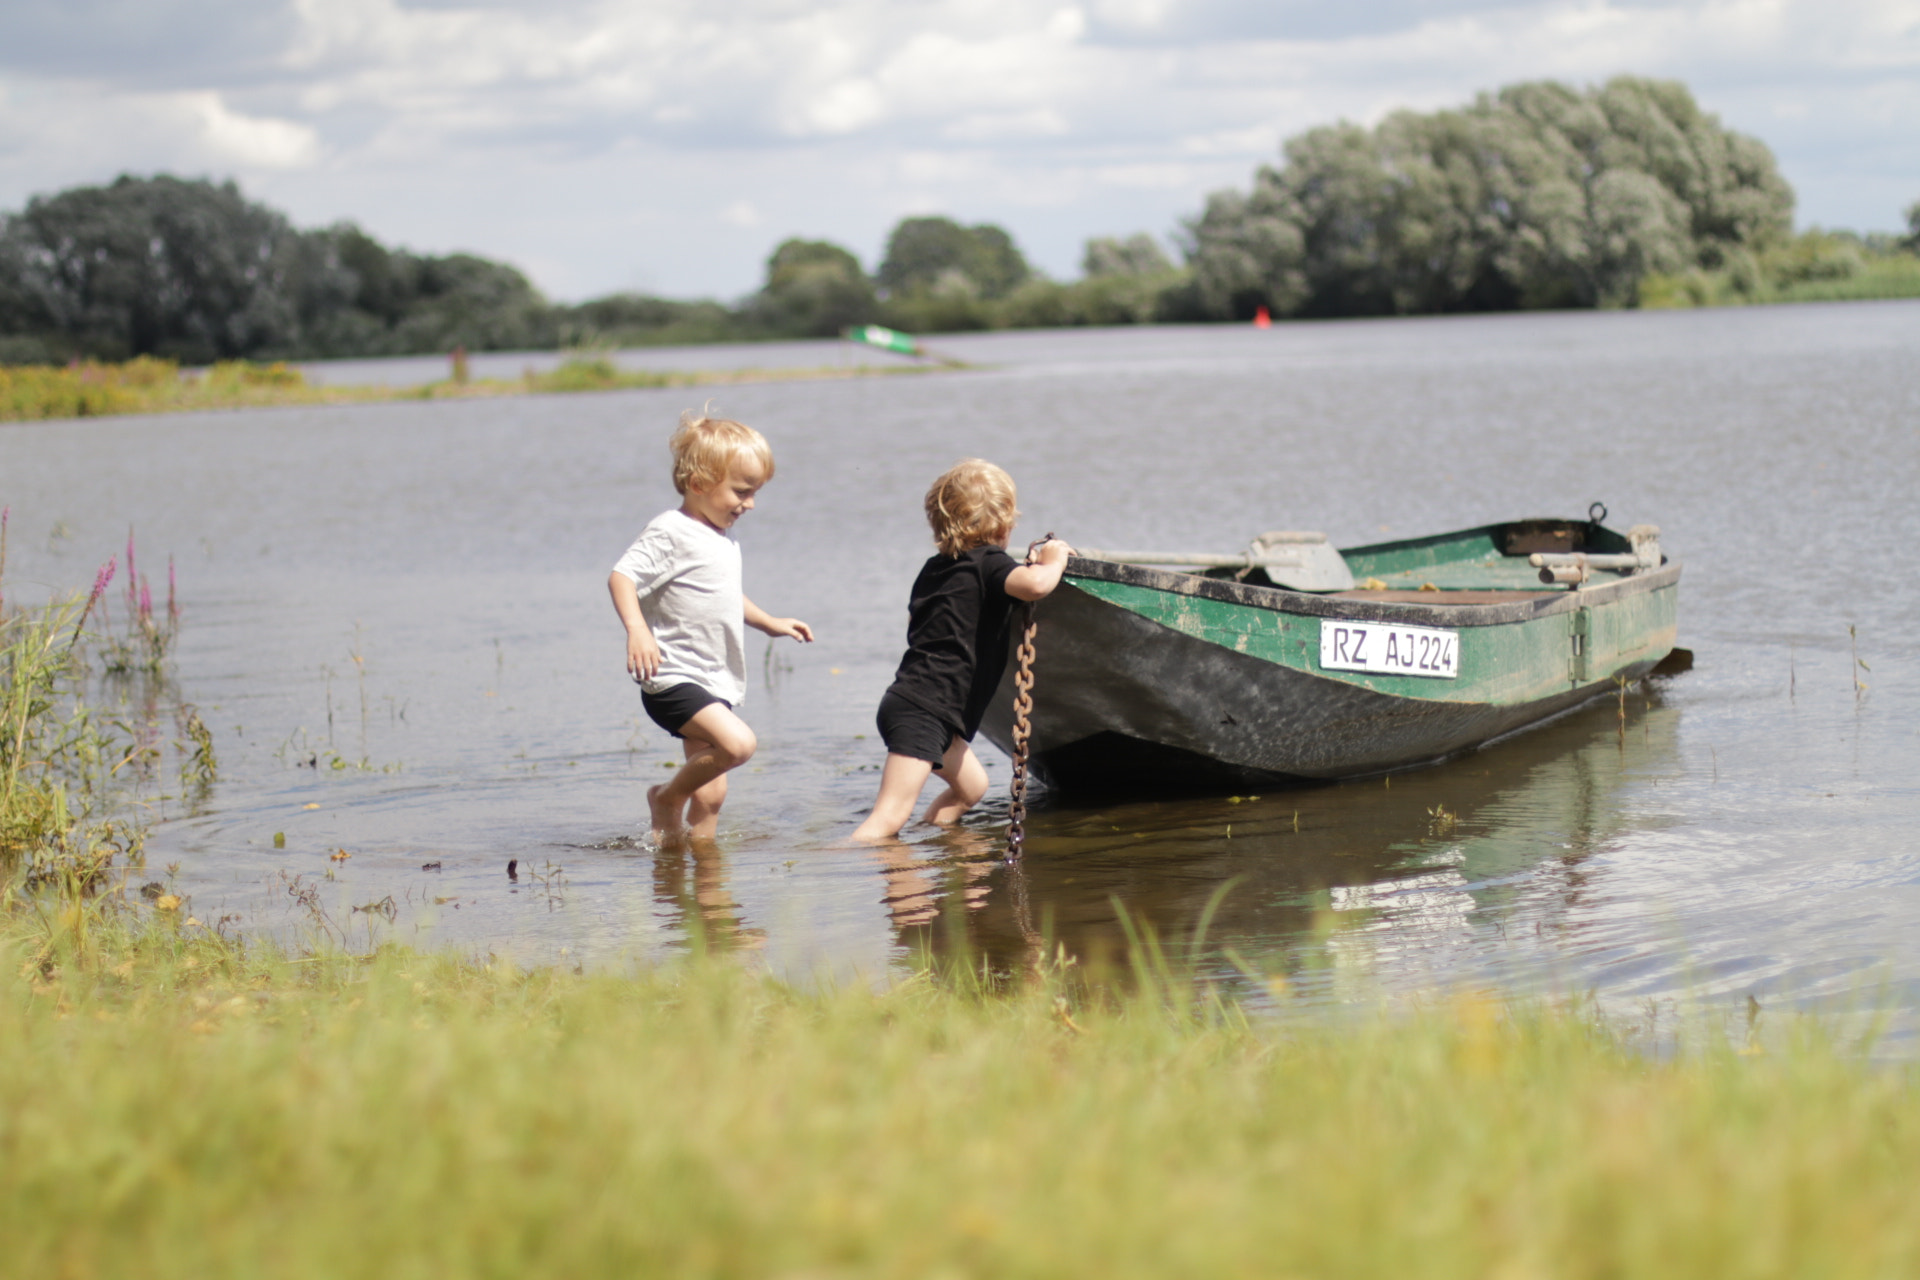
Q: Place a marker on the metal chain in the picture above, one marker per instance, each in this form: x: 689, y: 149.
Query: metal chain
x: 1022, y: 726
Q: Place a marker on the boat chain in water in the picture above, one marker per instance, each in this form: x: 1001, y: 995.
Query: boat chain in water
x: 1022, y: 726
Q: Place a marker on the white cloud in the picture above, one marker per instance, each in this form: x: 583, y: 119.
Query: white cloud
x: 1148, y: 177
x: 832, y: 117
x: 1138, y: 15
x: 995, y: 126
x: 251, y: 141
x: 843, y: 108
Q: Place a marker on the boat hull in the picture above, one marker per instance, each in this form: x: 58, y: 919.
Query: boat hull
x: 1154, y: 680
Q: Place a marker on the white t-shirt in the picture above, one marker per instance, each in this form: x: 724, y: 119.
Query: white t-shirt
x: 688, y: 579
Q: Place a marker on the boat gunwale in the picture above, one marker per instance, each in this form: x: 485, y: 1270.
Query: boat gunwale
x: 1303, y: 603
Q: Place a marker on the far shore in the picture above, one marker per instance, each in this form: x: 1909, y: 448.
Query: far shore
x: 145, y: 385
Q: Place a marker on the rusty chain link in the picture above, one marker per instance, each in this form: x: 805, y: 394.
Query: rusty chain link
x: 1022, y: 725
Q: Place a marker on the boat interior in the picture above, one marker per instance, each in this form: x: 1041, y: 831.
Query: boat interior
x: 1487, y: 565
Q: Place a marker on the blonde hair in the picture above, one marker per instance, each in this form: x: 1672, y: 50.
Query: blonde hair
x: 970, y: 506
x: 704, y: 448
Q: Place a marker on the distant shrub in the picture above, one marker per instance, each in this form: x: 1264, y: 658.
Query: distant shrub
x: 949, y: 307
x: 241, y: 373
x: 1097, y: 300
x: 640, y: 320
x: 587, y: 371
x: 1815, y: 266
x: 33, y: 392
x: 578, y: 374
x: 91, y: 388
x: 1892, y: 277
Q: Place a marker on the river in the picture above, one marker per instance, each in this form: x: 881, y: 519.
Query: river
x: 395, y: 622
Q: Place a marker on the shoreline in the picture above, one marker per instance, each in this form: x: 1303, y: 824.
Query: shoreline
x: 44, y: 393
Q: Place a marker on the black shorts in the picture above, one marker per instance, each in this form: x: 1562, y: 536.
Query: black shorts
x: 673, y: 706
x: 912, y: 731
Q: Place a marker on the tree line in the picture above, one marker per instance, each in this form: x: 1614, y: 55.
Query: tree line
x: 1537, y: 195
x: 193, y: 271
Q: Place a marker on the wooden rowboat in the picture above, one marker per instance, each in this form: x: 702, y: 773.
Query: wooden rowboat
x: 1293, y: 662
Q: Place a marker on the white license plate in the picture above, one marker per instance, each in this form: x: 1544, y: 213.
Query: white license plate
x: 1389, y: 650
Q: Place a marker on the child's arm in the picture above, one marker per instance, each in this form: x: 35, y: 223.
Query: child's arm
x: 1035, y: 581
x: 643, y: 651
x: 760, y: 620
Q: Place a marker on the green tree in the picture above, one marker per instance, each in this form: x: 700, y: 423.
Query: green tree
x: 473, y: 302
x: 1137, y: 255
x: 385, y: 282
x: 151, y: 266
x: 939, y: 256
x: 635, y: 319
x: 813, y: 289
x: 1912, y: 238
x: 358, y: 297
x: 193, y: 271
x: 331, y: 290
x: 1538, y: 195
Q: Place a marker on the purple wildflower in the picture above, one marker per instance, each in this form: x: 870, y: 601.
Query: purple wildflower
x: 146, y: 601
x: 132, y: 581
x: 100, y: 581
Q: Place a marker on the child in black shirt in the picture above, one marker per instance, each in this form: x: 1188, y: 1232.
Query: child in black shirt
x: 957, y: 637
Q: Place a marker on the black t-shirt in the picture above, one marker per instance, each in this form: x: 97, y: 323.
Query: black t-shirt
x: 957, y: 636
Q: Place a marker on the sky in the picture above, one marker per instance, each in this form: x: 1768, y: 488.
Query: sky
x: 667, y: 146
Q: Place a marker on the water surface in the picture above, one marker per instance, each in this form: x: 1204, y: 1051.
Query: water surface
x: 415, y: 592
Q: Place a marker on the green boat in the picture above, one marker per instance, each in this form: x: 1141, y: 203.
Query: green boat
x: 1294, y: 662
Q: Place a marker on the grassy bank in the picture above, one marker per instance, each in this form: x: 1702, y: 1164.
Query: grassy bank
x: 178, y: 1108
x: 1815, y: 266
x: 174, y: 1102
x: 92, y: 389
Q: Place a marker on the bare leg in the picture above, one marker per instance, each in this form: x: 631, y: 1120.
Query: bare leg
x: 703, y: 806
x: 664, y: 820
x: 716, y: 740
x: 900, y: 783
x: 966, y: 780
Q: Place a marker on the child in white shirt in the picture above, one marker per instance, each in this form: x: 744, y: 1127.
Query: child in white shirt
x: 677, y: 590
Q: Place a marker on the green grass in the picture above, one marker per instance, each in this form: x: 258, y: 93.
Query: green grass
x: 175, y: 1106
x: 1814, y: 266
x: 143, y: 385
x: 1890, y: 277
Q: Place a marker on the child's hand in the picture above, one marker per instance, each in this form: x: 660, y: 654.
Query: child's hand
x: 760, y: 620
x: 1035, y: 581
x: 643, y: 655
x: 1054, y: 551
x: 790, y: 627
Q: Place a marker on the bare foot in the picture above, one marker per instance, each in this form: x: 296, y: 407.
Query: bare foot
x: 665, y: 817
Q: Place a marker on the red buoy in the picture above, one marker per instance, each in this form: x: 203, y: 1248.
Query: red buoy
x: 1261, y: 320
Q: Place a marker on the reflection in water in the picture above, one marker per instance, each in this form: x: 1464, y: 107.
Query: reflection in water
x: 1406, y: 880
x: 952, y: 870
x: 704, y: 912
